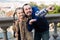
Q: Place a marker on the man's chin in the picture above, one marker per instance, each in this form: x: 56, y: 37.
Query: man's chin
x: 29, y: 15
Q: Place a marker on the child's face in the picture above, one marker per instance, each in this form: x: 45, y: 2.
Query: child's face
x: 20, y: 13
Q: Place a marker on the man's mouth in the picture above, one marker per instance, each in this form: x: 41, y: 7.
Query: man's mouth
x: 29, y: 12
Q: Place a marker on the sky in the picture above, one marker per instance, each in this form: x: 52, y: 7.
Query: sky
x: 4, y: 4
x: 14, y: 3
x: 37, y: 1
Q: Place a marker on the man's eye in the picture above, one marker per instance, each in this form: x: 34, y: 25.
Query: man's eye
x: 29, y: 8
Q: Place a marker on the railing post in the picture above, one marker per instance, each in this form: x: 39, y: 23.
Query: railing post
x: 5, y: 22
x: 5, y: 34
x: 55, y: 35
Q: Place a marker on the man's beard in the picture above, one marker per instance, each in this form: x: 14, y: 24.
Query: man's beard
x: 28, y: 15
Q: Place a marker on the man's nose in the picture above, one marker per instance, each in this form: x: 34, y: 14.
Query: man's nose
x: 28, y: 10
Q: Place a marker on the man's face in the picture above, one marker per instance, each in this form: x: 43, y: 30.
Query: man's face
x: 28, y: 10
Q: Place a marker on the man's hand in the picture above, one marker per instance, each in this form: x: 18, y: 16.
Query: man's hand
x: 31, y: 21
x: 50, y: 8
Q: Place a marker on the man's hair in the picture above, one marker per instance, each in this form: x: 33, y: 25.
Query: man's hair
x: 25, y: 5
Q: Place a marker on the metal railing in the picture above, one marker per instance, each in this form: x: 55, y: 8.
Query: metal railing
x: 6, y: 22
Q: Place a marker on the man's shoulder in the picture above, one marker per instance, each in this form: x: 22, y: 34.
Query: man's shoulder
x: 35, y: 8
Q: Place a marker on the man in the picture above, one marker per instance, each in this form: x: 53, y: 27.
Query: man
x: 37, y: 21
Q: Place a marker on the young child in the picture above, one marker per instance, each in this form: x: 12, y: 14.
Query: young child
x: 21, y: 27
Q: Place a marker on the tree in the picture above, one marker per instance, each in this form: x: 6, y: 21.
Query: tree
x: 56, y: 10
x: 33, y: 4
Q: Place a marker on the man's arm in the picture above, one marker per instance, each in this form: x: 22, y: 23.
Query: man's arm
x: 30, y: 25
x: 38, y: 12
x: 43, y: 12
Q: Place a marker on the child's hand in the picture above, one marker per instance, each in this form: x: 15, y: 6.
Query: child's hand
x: 16, y: 34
